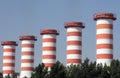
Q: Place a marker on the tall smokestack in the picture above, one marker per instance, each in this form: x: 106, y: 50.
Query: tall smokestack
x: 27, y: 55
x: 49, y: 47
x: 8, y: 57
x: 104, y: 37
x: 74, y: 42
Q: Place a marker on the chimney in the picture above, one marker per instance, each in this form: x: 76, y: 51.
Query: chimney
x: 74, y: 42
x: 104, y: 38
x: 27, y: 55
x: 8, y: 57
x: 49, y: 47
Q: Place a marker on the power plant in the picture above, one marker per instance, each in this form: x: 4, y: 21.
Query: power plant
x: 104, y: 46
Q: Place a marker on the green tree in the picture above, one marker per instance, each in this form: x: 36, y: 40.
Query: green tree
x: 1, y: 76
x: 40, y: 72
x: 85, y: 70
x: 73, y: 71
x: 11, y: 76
x: 105, y: 72
x: 88, y: 69
x: 57, y: 71
x: 115, y: 69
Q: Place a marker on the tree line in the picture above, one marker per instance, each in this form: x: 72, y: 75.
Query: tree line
x: 86, y: 70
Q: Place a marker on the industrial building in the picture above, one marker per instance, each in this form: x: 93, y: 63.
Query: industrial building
x: 104, y: 46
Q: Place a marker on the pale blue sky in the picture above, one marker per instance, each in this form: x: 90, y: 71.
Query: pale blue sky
x: 30, y: 16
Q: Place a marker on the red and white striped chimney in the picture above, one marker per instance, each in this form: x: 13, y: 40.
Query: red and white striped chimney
x: 27, y: 55
x: 74, y: 42
x: 8, y: 57
x: 49, y: 47
x: 104, y: 37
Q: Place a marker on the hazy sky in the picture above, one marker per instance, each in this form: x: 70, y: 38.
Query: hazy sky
x: 28, y: 17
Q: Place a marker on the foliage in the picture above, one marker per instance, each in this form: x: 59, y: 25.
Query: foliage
x: 85, y: 70
x: 57, y: 71
x: 40, y: 72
